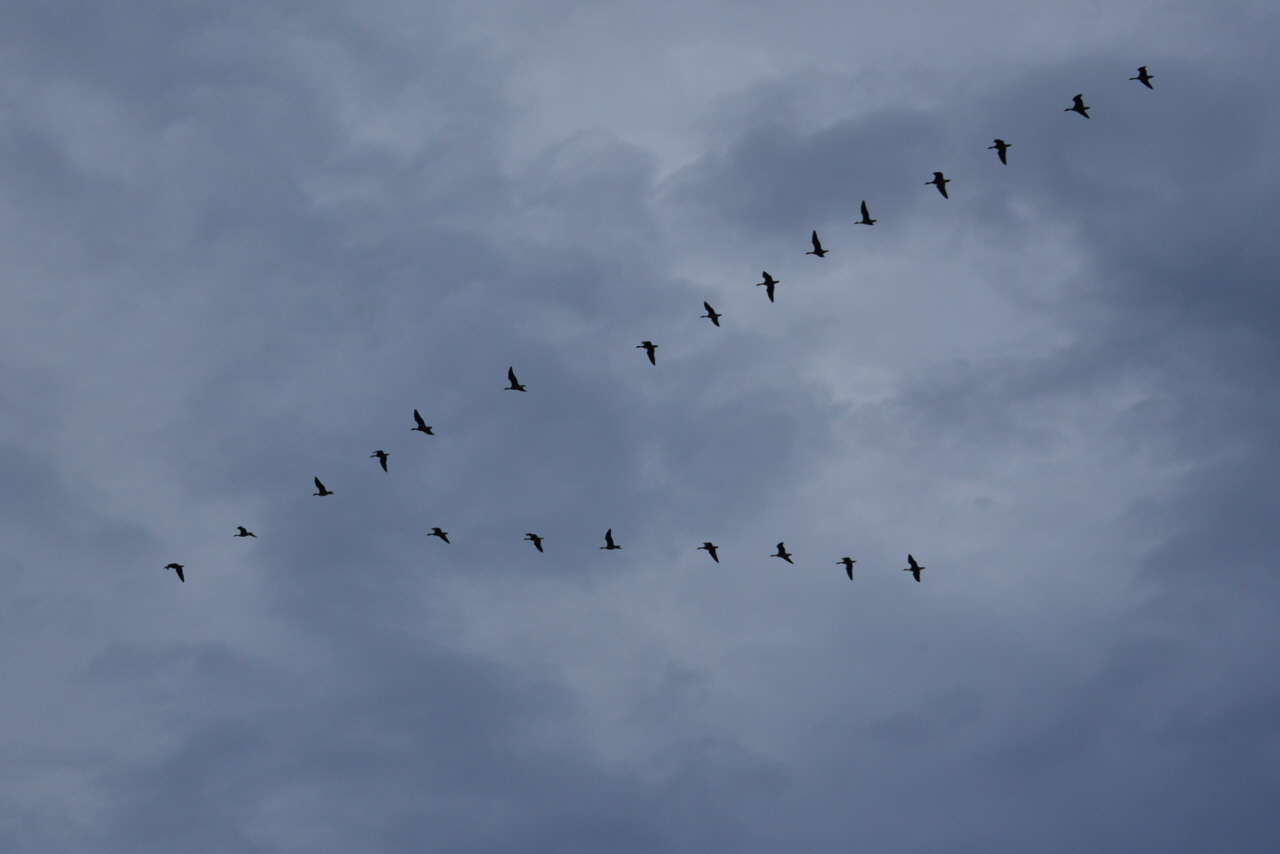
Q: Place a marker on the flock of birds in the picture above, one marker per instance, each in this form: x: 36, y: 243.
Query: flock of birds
x: 939, y: 180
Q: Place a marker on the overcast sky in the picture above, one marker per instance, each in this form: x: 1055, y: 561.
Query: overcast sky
x: 240, y: 242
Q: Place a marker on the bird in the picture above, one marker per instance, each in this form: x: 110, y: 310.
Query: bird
x: 515, y: 385
x: 711, y: 314
x: 535, y: 539
x: 177, y: 567
x: 1078, y: 107
x: 848, y: 563
x: 769, y: 282
x: 1001, y: 147
x: 939, y: 182
x: 650, y: 348
x: 382, y: 458
x: 817, y: 246
x: 782, y: 553
x: 422, y: 425
x: 323, y: 492
x: 608, y: 540
x: 244, y: 533
x: 710, y: 548
x: 436, y: 532
x: 866, y: 217
x: 914, y: 569
x: 1143, y: 77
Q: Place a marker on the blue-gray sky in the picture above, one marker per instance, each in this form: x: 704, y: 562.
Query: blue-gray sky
x: 241, y: 242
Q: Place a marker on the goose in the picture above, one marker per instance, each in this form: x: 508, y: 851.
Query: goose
x: 1078, y: 107
x: 1001, y: 147
x: 422, y: 425
x: 817, y: 246
x: 177, y: 567
x: 866, y: 217
x: 711, y: 314
x: 515, y: 385
x: 608, y: 541
x: 939, y: 182
x: 650, y: 348
x: 782, y: 553
x: 323, y: 492
x: 914, y: 569
x: 382, y: 458
x: 710, y: 548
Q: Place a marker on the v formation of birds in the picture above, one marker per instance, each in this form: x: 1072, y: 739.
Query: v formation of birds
x: 939, y: 180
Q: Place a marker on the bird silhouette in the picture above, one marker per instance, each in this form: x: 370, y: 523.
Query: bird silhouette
x: 711, y: 314
x: 866, y: 217
x: 769, y: 282
x: 608, y: 541
x: 848, y: 563
x: 914, y: 569
x: 782, y: 553
x: 382, y: 458
x: 1001, y: 147
x: 710, y: 548
x: 535, y: 539
x: 1143, y: 77
x: 650, y: 348
x: 422, y: 425
x: 323, y: 492
x: 817, y: 246
x: 1078, y: 107
x: 515, y: 385
x: 436, y: 532
x: 177, y: 567
x: 939, y: 182
x: 244, y: 533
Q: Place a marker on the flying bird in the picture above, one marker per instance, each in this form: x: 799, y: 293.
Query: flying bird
x: 535, y: 539
x: 710, y: 548
x: 782, y: 553
x: 939, y: 182
x: 866, y: 217
x: 244, y: 533
x: 422, y: 425
x: 1078, y: 107
x: 1143, y: 77
x: 323, y: 492
x: 608, y: 541
x: 711, y: 314
x: 769, y: 282
x: 914, y: 569
x: 177, y: 567
x: 848, y: 563
x: 436, y: 532
x: 817, y: 246
x: 515, y: 385
x: 650, y: 348
x: 382, y: 458
x: 1001, y: 147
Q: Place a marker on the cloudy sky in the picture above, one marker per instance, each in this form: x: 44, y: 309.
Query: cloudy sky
x: 240, y: 242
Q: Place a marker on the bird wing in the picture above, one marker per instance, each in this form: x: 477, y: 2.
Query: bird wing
x: 608, y: 536
x: 422, y: 425
x: 319, y: 485
x: 913, y: 563
x: 816, y: 243
x: 511, y: 375
x: 865, y: 215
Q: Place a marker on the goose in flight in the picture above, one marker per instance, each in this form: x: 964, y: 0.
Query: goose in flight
x: 769, y: 282
x: 1078, y: 107
x: 848, y: 563
x: 939, y: 182
x: 1143, y: 77
x: 650, y: 348
x: 436, y: 532
x: 515, y: 384
x: 710, y: 548
x: 422, y: 425
x: 782, y: 553
x: 711, y: 314
x: 323, y: 492
x: 382, y: 458
x: 1001, y: 147
x: 177, y: 567
x: 866, y: 217
x: 608, y: 541
x: 817, y: 246
x: 535, y: 539
x: 244, y: 532
x: 914, y: 569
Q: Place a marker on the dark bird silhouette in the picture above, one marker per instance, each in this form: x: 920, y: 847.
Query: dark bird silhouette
x: 939, y: 182
x: 515, y: 385
x: 422, y: 425
x: 817, y: 246
x: 710, y: 548
x: 1078, y: 107
x: 608, y: 541
x: 650, y: 348
x: 914, y: 569
x: 436, y: 532
x: 711, y: 314
x: 866, y: 217
x: 848, y: 563
x: 782, y: 553
x: 769, y: 282
x: 1143, y: 77
x: 382, y: 458
x: 1001, y: 147
x: 535, y: 539
x: 244, y: 533
x: 177, y: 567
x: 320, y: 486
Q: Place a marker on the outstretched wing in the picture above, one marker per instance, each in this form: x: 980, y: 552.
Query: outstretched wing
x: 422, y: 425
x: 817, y: 244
